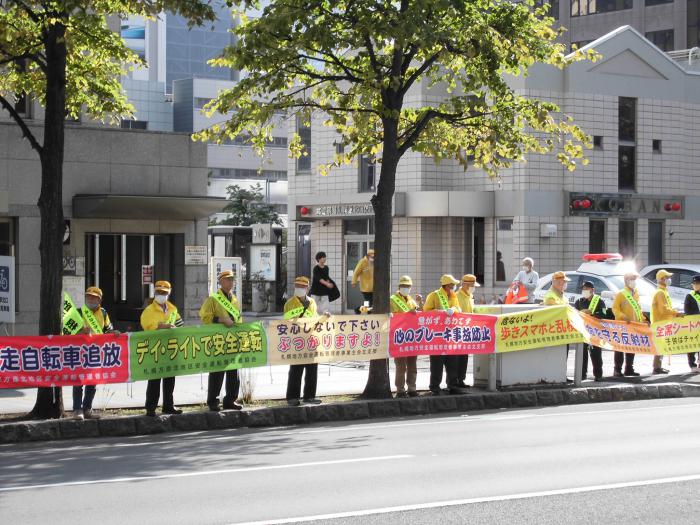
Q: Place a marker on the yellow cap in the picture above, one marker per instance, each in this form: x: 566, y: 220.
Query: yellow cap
x: 163, y: 286
x: 560, y: 275
x: 95, y: 291
x: 370, y: 251
x: 405, y: 279
x: 470, y: 279
x: 301, y: 281
x: 448, y: 279
x: 226, y: 274
x: 662, y: 274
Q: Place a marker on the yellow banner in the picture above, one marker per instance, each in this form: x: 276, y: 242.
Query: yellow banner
x: 677, y: 336
x: 531, y: 329
x: 327, y: 339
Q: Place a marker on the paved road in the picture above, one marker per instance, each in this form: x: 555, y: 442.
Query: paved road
x: 634, y: 462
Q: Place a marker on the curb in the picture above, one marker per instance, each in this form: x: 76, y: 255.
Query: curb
x: 51, y: 430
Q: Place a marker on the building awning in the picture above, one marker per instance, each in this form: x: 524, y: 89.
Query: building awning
x: 145, y: 207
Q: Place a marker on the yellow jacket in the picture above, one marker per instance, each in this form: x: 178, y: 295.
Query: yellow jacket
x: 623, y: 309
x: 432, y: 302
x: 295, y: 302
x: 364, y: 273
x: 552, y: 298
x: 211, y: 309
x: 660, y: 310
x: 154, y: 314
x: 412, y: 305
x: 466, y: 301
x: 102, y: 318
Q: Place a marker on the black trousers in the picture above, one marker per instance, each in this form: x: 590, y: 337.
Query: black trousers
x: 451, y: 365
x: 692, y: 363
x: 462, y: 363
x: 153, y: 393
x: 621, y: 357
x: 216, y: 379
x: 596, y: 360
x: 368, y: 296
x: 294, y: 381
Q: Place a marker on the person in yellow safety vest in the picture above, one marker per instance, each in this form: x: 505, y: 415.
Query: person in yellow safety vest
x: 96, y: 321
x: 297, y: 307
x: 555, y: 295
x: 161, y: 314
x: 222, y: 308
x: 692, y: 307
x: 662, y: 310
x: 626, y: 308
x: 444, y: 299
x: 364, y: 274
x: 465, y: 296
x: 406, y: 367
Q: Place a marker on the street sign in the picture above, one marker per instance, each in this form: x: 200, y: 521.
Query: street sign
x: 146, y: 274
x: 220, y: 264
x: 195, y: 255
x: 7, y: 289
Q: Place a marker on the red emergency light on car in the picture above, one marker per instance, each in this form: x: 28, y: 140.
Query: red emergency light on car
x: 602, y: 257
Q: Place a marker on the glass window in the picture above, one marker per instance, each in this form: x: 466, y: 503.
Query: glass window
x: 626, y: 168
x: 693, y: 17
x: 656, y: 242
x: 134, y: 124
x: 359, y: 226
x: 662, y: 39
x: 627, y: 118
x: 304, y: 131
x: 367, y: 174
x: 598, y: 283
x: 596, y: 236
x: 505, y: 267
x: 597, y: 141
x: 683, y: 278
x: 656, y: 146
x: 627, y: 241
x: 591, y: 7
x: 657, y: 2
x: 553, y: 7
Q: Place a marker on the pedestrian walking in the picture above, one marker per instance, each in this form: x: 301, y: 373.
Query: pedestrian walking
x: 444, y: 299
x: 322, y: 286
x: 222, y: 308
x: 555, y: 295
x: 528, y: 278
x: 692, y: 307
x: 300, y: 306
x: 364, y: 274
x: 406, y: 367
x: 592, y: 304
x: 465, y: 297
x: 662, y: 310
x: 161, y: 314
x: 626, y: 308
x: 96, y: 321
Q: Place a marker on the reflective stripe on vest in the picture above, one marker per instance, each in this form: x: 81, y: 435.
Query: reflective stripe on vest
x: 296, y: 312
x: 594, y: 304
x: 634, y: 304
x: 73, y: 322
x: 400, y: 303
x: 91, y: 320
x: 442, y: 297
x: 696, y: 296
x: 228, y: 306
x: 172, y: 318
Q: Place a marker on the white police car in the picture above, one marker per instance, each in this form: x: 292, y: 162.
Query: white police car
x: 681, y: 282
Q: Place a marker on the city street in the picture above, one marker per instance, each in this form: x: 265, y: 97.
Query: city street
x: 635, y: 462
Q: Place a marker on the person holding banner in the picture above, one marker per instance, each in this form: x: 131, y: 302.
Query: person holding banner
x: 592, y: 304
x: 222, y: 307
x: 662, y: 310
x: 692, y: 307
x: 406, y: 367
x: 626, y: 308
x: 95, y: 321
x: 465, y: 296
x: 444, y: 299
x: 555, y: 295
x: 301, y: 306
x: 161, y: 314
x: 364, y: 274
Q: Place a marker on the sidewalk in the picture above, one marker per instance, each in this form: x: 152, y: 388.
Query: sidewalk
x: 270, y: 382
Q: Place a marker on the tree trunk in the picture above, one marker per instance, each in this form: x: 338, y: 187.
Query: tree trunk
x: 49, y: 401
x: 378, y: 384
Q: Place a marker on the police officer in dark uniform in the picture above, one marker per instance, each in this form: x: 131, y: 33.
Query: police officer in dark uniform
x: 592, y: 304
x: 692, y: 307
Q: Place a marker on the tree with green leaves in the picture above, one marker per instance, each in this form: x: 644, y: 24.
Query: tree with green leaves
x: 63, y: 54
x: 247, y: 206
x: 355, y: 61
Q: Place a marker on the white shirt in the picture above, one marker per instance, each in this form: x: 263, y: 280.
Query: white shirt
x: 529, y: 280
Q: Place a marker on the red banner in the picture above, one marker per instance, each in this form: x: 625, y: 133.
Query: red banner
x: 436, y: 333
x: 63, y: 360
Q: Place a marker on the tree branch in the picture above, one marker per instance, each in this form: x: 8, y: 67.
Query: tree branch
x: 22, y: 124
x: 418, y: 72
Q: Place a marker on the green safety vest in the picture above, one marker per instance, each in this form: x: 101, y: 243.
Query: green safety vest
x: 400, y: 303
x: 228, y: 306
x: 91, y: 320
x: 442, y: 297
x: 634, y: 304
x: 73, y: 322
x: 669, y: 302
x: 594, y: 303
x: 696, y: 297
x: 172, y: 318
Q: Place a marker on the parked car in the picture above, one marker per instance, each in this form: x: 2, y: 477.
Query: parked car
x: 681, y: 280
x: 606, y: 272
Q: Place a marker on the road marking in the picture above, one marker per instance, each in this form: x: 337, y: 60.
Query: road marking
x: 206, y: 472
x: 470, y: 501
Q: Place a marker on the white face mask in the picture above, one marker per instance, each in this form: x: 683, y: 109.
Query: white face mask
x: 92, y: 305
x: 160, y: 298
x: 587, y: 294
x: 668, y: 281
x: 631, y: 284
x: 526, y: 268
x: 404, y: 290
x: 469, y: 289
x: 370, y: 259
x: 300, y: 292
